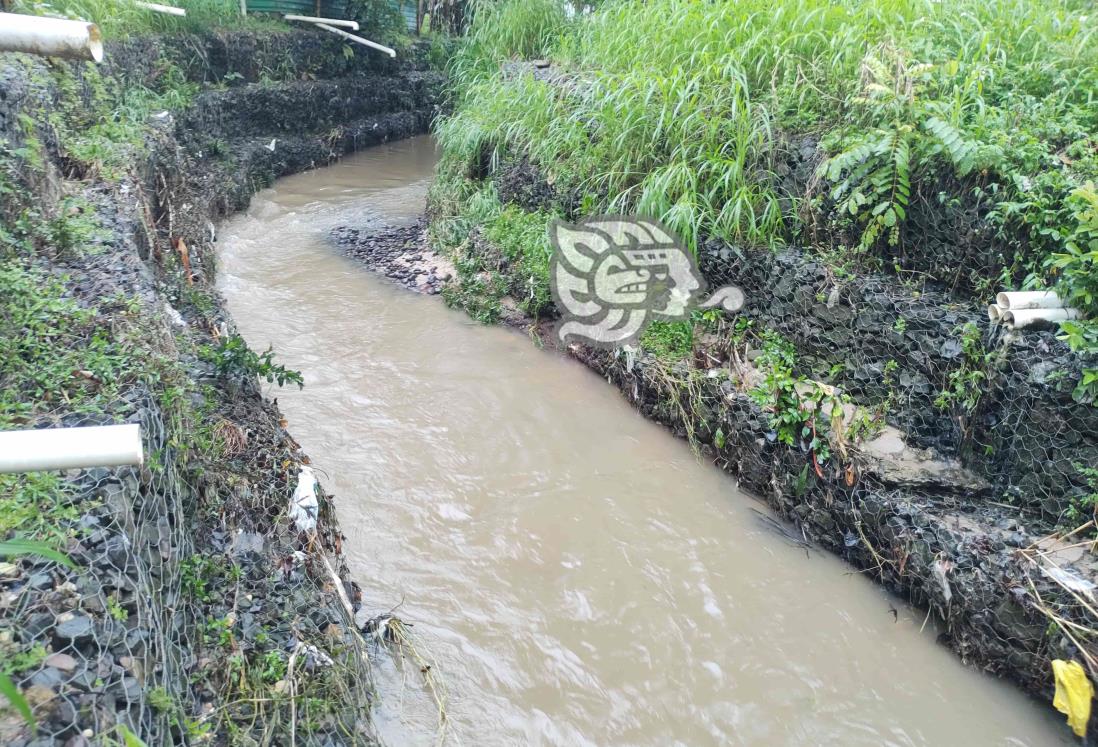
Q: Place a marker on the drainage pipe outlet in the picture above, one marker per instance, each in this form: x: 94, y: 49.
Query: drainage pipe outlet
x: 50, y: 37
x: 1023, y: 318
x: 1015, y: 300
x: 70, y: 448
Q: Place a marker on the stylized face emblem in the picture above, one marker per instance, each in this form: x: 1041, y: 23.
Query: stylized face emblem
x: 612, y: 275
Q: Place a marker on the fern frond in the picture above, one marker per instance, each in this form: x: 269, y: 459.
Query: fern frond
x: 961, y: 151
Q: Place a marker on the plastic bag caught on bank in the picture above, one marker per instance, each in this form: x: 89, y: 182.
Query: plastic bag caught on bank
x: 1073, y: 694
x: 304, y: 506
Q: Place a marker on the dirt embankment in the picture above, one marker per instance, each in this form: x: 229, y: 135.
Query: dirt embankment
x: 196, y: 609
x: 952, y: 504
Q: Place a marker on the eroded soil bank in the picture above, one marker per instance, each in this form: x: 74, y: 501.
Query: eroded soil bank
x: 196, y: 610
x: 577, y: 575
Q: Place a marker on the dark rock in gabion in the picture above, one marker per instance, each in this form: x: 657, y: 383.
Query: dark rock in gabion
x: 75, y: 628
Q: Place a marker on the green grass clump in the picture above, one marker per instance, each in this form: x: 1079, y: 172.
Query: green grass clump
x: 523, y: 29
x: 524, y: 241
x: 669, y: 341
x: 102, y: 124
x: 53, y: 352
x: 459, y: 207
x: 498, y: 250
x: 36, y: 505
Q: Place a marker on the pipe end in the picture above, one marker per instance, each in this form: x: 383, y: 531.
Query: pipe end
x: 1003, y: 301
x: 95, y: 43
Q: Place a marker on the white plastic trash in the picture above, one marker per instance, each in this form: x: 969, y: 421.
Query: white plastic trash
x: 304, y: 506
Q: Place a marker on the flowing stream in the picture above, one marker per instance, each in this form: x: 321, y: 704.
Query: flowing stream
x: 576, y: 574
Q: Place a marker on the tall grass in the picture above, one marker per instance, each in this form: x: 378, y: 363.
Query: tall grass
x: 679, y: 108
x: 504, y: 29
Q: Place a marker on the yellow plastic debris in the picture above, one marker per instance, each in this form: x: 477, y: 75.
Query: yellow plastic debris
x: 1073, y: 694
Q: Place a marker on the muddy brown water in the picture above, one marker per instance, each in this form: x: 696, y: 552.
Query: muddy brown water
x: 576, y: 574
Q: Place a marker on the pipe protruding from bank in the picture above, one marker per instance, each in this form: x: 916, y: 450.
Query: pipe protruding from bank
x: 1014, y: 300
x: 1021, y: 309
x: 352, y: 25
x: 48, y: 449
x: 1022, y: 318
x: 359, y: 39
x: 50, y: 37
x: 170, y: 10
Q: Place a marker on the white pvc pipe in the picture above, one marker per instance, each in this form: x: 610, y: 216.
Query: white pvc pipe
x: 70, y: 448
x: 50, y: 37
x: 352, y: 25
x: 1015, y: 300
x: 359, y: 39
x: 171, y: 10
x: 994, y: 312
x: 1022, y: 318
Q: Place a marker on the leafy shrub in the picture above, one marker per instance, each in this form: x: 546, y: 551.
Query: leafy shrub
x: 233, y: 359
x: 383, y: 19
x: 872, y: 178
x: 801, y: 411
x: 1077, y: 267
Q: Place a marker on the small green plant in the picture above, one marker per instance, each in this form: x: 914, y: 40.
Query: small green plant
x: 161, y: 700
x: 233, y: 359
x: 273, y: 667
x: 219, y: 632
x: 199, y: 573
x: 21, y: 661
x: 1082, y: 509
x: 116, y: 610
x: 966, y: 383
x: 800, y: 410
